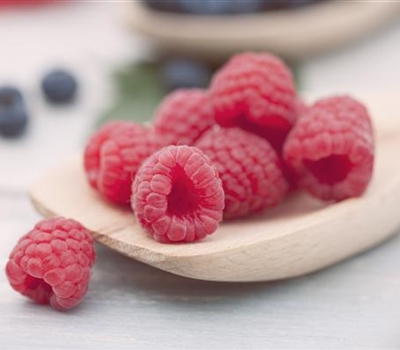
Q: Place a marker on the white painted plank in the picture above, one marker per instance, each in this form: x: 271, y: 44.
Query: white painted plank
x: 131, y: 305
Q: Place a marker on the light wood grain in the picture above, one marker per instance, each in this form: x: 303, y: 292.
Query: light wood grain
x: 300, y: 236
x: 293, y: 33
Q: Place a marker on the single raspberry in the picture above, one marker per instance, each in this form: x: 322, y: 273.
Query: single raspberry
x: 331, y: 149
x: 52, y: 263
x: 114, y: 155
x: 301, y: 109
x: 184, y: 116
x: 249, y: 167
x: 93, y: 148
x: 178, y: 196
x: 255, y: 92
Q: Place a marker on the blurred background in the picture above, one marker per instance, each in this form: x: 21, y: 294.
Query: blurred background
x: 124, y: 56
x: 71, y: 65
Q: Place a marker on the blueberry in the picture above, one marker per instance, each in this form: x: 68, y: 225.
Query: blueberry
x: 13, y: 115
x: 275, y: 5
x: 163, y: 5
x: 10, y: 95
x: 286, y: 4
x: 59, y: 86
x: 184, y: 73
x: 222, y: 7
x: 296, y: 3
x: 206, y: 7
x: 246, y: 6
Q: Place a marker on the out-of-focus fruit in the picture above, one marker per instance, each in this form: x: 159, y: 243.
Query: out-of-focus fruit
x: 59, y: 86
x: 185, y: 73
x: 13, y: 115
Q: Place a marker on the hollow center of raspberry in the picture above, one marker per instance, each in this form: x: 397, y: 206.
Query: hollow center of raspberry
x: 183, y: 198
x: 273, y: 128
x: 330, y: 170
x: 38, y: 289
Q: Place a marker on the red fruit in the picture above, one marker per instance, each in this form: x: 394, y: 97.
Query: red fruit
x: 93, y: 148
x: 255, y: 91
x: 52, y: 263
x: 301, y: 108
x: 249, y: 167
x: 331, y: 149
x: 113, y: 156
x: 184, y: 116
x: 178, y: 196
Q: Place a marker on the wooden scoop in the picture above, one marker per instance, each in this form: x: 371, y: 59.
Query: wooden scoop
x: 300, y: 236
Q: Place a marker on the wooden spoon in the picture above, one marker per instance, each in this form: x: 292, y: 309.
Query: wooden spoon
x: 300, y: 236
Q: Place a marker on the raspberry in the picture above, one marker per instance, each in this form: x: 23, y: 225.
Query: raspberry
x: 249, y: 167
x: 301, y: 108
x: 255, y: 92
x: 184, y: 116
x: 178, y: 196
x: 52, y: 263
x: 92, y: 151
x: 114, y: 155
x: 331, y: 149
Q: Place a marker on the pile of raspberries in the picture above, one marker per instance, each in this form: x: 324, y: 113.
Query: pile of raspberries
x: 231, y: 151
x: 224, y: 153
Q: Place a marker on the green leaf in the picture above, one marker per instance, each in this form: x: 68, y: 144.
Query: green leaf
x: 139, y: 92
x: 296, y: 72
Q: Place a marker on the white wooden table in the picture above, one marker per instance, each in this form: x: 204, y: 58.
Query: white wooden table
x: 354, y: 305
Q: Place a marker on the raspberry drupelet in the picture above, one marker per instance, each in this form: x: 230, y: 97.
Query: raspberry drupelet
x: 249, y: 167
x: 331, y: 149
x: 255, y: 91
x: 114, y: 154
x: 52, y: 263
x: 183, y: 116
x: 178, y: 195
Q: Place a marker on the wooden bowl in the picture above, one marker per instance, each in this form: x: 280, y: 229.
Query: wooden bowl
x: 295, y: 33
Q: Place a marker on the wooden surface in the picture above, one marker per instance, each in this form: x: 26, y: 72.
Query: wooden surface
x: 294, y: 33
x: 351, y: 306
x: 300, y: 236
